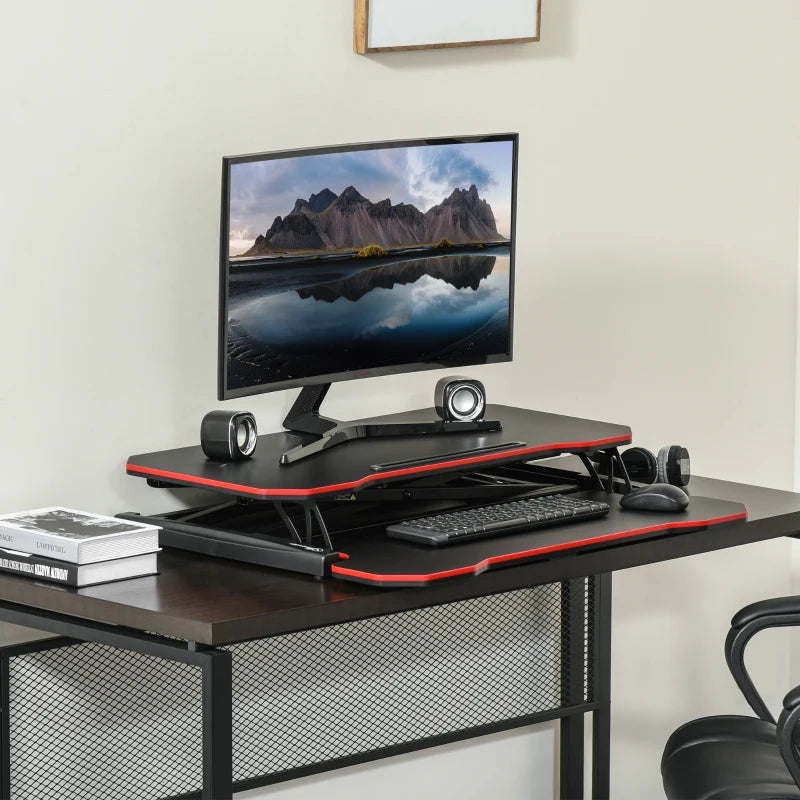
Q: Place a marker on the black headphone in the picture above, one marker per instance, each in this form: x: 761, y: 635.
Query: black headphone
x: 671, y: 465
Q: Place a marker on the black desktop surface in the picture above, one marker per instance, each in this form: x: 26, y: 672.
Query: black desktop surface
x: 351, y: 467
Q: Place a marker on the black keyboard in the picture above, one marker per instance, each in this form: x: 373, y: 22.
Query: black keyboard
x: 498, y: 519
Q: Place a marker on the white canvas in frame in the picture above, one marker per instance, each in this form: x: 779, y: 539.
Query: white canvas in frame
x: 382, y: 25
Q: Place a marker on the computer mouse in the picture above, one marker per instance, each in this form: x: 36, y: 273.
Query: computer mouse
x: 655, y: 497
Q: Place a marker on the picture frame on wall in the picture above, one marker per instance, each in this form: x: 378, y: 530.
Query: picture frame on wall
x: 382, y: 26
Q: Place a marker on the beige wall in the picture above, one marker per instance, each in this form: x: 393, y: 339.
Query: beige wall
x: 657, y: 261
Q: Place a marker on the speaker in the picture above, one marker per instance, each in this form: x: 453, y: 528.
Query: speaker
x: 228, y: 435
x: 459, y: 399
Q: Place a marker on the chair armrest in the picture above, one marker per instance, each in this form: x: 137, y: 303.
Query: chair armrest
x: 792, y: 700
x: 787, y: 733
x: 777, y: 612
x: 763, y: 608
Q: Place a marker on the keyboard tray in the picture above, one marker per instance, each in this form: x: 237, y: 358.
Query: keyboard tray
x: 376, y: 560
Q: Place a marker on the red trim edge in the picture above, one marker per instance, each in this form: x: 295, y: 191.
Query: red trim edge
x: 195, y: 480
x: 482, y: 566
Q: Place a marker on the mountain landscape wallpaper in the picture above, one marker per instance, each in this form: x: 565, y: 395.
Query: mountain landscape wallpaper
x: 368, y: 259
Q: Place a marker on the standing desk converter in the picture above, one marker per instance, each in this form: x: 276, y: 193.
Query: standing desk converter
x: 217, y: 674
x: 423, y: 467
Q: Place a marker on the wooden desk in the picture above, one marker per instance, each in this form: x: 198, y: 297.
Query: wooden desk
x: 208, y: 605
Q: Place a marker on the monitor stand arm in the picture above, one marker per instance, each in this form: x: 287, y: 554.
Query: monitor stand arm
x: 304, y: 417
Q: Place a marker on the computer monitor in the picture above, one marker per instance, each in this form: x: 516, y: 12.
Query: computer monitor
x: 368, y: 259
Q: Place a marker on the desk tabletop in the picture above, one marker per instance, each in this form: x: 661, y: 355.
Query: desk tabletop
x: 216, y: 601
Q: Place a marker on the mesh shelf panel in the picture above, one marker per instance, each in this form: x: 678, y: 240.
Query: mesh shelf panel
x: 90, y: 722
x: 93, y: 722
x: 591, y: 645
x: 336, y: 692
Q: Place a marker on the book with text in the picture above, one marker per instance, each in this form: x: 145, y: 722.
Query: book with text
x: 76, y: 536
x: 69, y: 574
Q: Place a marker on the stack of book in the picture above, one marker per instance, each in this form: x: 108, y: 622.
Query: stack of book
x: 76, y: 548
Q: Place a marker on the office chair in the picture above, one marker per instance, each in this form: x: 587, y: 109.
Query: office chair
x: 737, y: 757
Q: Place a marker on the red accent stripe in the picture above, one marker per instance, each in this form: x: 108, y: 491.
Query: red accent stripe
x: 482, y: 566
x: 395, y: 473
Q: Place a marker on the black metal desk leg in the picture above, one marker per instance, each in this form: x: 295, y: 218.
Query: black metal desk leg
x: 600, y: 635
x: 5, y: 739
x: 573, y: 664
x: 572, y: 757
x: 217, y: 734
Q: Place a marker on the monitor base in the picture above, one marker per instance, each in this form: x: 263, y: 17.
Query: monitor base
x: 304, y: 417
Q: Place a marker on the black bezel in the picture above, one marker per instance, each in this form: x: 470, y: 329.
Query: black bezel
x: 223, y: 393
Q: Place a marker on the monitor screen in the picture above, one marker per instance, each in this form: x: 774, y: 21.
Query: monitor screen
x: 369, y: 259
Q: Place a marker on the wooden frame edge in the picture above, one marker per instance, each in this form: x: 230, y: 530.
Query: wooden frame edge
x: 361, y: 34
x: 361, y: 26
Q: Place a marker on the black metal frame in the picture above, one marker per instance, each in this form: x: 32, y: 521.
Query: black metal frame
x: 572, y: 712
x: 573, y: 594
x: 600, y: 649
x: 7, y: 653
x: 589, y: 630
x: 5, y: 731
x: 612, y: 479
x: 294, y: 554
x: 598, y: 640
x: 216, y: 681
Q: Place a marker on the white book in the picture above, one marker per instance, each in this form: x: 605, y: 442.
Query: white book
x: 75, y: 536
x: 41, y: 568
